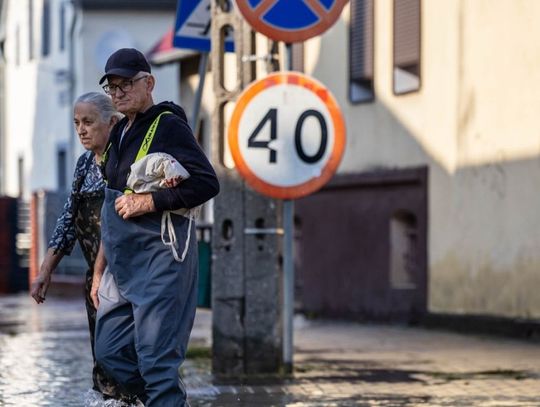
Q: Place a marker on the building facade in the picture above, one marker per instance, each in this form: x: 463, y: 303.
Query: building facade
x: 433, y: 87
x: 434, y: 206
x: 55, y: 50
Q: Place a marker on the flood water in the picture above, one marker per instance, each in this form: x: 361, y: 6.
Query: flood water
x: 45, y: 357
x: 45, y: 360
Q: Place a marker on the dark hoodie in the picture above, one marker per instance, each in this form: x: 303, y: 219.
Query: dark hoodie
x: 173, y: 136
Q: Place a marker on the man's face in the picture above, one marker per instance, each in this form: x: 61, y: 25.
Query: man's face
x: 130, y: 96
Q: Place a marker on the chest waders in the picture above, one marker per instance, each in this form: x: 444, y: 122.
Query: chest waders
x: 147, y: 303
x: 87, y: 228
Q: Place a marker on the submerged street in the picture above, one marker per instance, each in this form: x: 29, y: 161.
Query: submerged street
x: 45, y: 361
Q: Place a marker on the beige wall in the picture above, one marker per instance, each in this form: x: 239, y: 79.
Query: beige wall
x: 474, y: 124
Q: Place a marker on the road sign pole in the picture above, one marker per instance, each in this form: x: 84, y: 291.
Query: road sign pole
x: 288, y: 284
x: 288, y: 267
x: 287, y: 161
x: 247, y: 233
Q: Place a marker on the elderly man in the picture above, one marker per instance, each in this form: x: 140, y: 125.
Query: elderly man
x: 145, y: 319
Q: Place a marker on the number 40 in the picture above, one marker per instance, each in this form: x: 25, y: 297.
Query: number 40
x: 272, y: 117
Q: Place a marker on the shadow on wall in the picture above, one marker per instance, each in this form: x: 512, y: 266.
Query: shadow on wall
x: 483, y: 228
x: 482, y: 232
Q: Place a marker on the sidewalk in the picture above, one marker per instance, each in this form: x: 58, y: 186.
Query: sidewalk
x: 348, y: 364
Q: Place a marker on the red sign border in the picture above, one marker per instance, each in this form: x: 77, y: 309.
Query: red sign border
x: 308, y: 187
x: 253, y: 18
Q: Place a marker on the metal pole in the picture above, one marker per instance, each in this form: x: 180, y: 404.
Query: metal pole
x: 203, y: 64
x: 288, y: 267
x: 288, y: 284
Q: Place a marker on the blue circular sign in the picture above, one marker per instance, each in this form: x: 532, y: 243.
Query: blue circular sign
x: 291, y: 20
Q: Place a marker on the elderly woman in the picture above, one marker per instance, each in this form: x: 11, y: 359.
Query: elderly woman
x: 94, y: 116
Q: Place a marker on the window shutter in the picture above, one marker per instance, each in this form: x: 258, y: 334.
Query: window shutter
x: 406, y: 32
x: 361, y: 39
x: 406, y: 46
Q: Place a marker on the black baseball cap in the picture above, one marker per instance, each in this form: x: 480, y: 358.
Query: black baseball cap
x: 125, y: 62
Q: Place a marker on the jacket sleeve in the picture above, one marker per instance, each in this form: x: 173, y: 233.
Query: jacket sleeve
x: 64, y: 236
x: 175, y: 138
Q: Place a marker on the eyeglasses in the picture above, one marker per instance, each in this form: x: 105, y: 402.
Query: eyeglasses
x: 125, y: 86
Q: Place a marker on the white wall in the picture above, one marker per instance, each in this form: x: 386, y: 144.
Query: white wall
x: 38, y: 106
x: 105, y: 32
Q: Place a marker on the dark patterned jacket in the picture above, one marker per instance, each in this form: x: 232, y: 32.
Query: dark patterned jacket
x: 92, y: 181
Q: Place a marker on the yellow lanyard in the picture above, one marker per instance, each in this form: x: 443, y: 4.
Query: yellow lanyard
x: 147, y: 141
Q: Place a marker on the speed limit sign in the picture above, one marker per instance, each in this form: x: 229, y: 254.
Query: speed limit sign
x: 286, y: 135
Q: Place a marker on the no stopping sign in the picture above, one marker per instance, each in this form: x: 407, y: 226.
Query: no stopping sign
x: 286, y: 135
x: 291, y: 20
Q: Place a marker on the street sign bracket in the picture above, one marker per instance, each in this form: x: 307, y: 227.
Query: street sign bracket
x: 267, y: 58
x: 264, y: 231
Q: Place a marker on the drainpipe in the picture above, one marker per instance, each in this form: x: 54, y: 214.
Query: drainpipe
x: 3, y: 11
x: 71, y: 84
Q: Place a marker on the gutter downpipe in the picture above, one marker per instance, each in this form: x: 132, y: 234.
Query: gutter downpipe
x: 71, y: 70
x: 3, y: 12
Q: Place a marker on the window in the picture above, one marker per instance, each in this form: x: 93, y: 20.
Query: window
x: 406, y: 46
x: 20, y: 175
x: 46, y: 29
x: 30, y: 29
x: 403, y: 251
x: 361, y: 38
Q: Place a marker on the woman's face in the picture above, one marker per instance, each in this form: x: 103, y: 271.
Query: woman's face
x: 93, y: 133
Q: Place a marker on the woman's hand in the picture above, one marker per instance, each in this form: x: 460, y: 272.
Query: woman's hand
x: 131, y: 205
x: 40, y: 285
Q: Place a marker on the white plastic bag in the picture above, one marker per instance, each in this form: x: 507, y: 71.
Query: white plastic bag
x: 153, y: 172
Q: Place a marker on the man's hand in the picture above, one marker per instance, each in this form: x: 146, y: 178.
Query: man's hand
x: 96, y: 281
x: 99, y: 269
x: 131, y: 205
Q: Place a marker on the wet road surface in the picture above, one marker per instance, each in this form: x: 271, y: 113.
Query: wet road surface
x: 45, y: 357
x: 45, y: 360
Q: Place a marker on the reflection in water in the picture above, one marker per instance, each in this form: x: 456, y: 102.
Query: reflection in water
x: 46, y: 360
x: 45, y: 357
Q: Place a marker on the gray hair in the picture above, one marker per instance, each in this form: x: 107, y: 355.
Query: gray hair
x: 103, y: 104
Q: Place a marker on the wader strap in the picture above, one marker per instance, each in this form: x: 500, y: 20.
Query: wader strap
x: 147, y: 142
